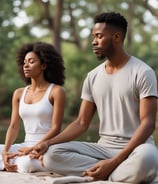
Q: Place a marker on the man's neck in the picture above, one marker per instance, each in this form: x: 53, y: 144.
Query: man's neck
x: 116, y: 63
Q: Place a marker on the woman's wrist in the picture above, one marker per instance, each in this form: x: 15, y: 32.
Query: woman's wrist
x: 4, y: 151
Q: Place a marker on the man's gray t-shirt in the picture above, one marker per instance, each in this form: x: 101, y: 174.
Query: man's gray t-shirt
x: 117, y: 97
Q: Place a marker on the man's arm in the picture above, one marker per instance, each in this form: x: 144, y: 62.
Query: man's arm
x: 73, y: 130
x: 148, y: 109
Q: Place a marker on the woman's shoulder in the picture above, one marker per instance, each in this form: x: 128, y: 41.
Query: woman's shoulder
x: 57, y: 88
x: 57, y: 91
x: 18, y: 92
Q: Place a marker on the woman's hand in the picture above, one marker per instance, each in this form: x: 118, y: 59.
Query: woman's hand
x: 6, y: 157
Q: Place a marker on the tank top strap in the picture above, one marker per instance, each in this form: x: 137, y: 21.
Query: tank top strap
x: 48, y: 90
x: 23, y: 94
x: 46, y: 95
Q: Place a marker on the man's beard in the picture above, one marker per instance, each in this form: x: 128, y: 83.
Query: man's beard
x: 101, y: 57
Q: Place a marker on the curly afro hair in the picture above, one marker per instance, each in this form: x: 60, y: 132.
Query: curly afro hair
x: 47, y: 54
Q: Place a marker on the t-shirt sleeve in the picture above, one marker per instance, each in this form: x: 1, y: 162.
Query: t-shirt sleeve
x: 87, y: 90
x: 148, y: 84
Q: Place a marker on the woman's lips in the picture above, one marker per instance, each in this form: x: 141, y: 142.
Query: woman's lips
x: 26, y: 71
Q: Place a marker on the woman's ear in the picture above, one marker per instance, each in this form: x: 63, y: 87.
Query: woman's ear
x: 44, y: 66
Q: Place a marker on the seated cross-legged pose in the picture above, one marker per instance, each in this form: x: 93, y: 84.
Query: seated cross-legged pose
x: 123, y: 90
x: 39, y: 105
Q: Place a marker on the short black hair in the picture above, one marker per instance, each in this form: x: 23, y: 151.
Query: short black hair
x: 47, y: 54
x: 113, y: 19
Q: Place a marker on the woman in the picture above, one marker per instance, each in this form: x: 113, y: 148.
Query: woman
x: 40, y: 105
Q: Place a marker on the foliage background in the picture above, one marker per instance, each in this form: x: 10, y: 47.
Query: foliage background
x: 67, y: 24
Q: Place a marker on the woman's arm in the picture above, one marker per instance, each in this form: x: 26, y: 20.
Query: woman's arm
x: 13, y: 128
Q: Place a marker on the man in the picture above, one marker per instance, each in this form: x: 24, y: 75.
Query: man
x: 123, y: 90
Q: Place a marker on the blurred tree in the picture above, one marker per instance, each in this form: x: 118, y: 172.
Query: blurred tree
x: 67, y: 24
x: 71, y: 21
x: 11, y: 38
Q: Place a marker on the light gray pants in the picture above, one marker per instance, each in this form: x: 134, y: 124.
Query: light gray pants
x: 73, y: 158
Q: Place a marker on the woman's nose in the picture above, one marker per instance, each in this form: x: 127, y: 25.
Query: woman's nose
x: 26, y: 64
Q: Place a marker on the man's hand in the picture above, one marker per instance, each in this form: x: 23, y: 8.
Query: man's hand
x: 25, y: 150
x: 101, y: 170
x: 38, y: 150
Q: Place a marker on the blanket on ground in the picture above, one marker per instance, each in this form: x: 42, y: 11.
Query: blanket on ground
x: 49, y: 178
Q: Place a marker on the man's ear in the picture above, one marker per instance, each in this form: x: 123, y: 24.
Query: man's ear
x: 117, y: 36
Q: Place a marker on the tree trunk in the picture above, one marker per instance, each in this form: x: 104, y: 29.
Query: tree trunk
x: 130, y: 26
x: 57, y: 24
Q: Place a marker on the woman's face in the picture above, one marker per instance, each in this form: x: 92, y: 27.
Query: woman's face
x: 32, y: 66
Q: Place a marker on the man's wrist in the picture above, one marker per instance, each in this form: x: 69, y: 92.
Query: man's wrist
x: 49, y: 142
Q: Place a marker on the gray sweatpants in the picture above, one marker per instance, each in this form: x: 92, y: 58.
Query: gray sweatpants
x: 73, y: 158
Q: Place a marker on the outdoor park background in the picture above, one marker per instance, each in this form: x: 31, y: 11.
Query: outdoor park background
x: 67, y: 24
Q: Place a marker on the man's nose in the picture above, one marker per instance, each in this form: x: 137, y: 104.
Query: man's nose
x: 94, y: 42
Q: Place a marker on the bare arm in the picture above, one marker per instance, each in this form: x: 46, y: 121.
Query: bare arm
x: 77, y: 127
x: 57, y: 99
x: 148, y: 109
x: 73, y: 130
x: 13, y: 128
x: 12, y: 131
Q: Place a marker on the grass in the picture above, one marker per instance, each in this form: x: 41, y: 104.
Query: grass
x: 91, y: 135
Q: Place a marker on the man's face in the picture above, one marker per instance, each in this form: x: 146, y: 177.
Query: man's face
x: 102, y: 41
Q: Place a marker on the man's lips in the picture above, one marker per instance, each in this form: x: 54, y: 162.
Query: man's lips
x: 96, y: 50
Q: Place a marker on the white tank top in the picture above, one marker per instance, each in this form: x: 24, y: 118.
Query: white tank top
x: 36, y: 117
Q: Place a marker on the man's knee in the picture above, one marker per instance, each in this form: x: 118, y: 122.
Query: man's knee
x: 53, y: 151
x: 145, y: 159
x: 147, y: 155
x: 141, y: 165
x: 53, y: 156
